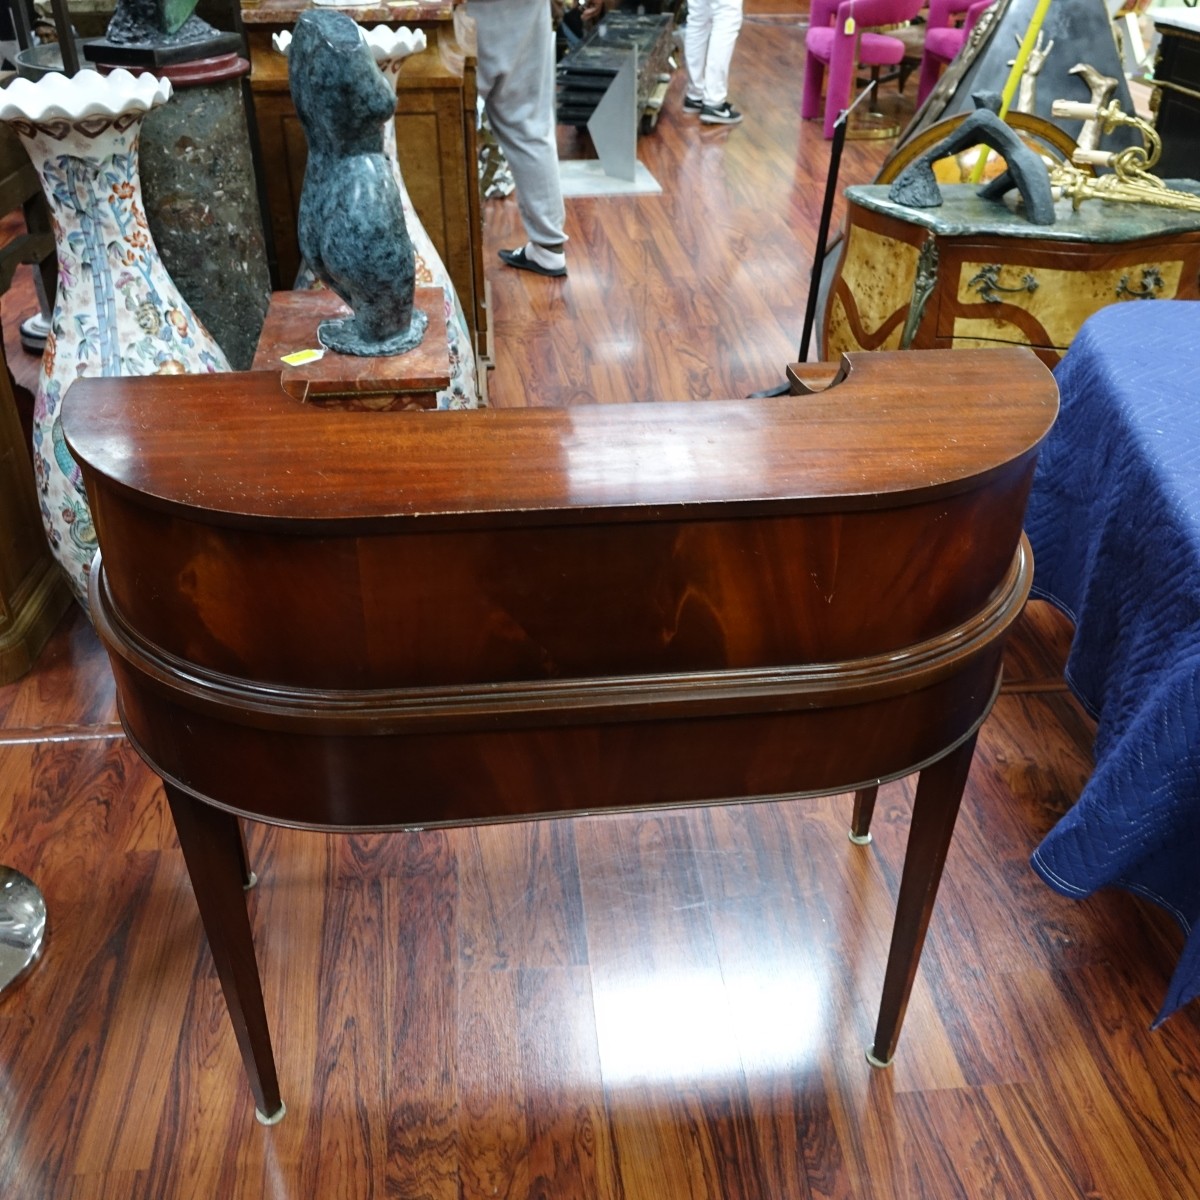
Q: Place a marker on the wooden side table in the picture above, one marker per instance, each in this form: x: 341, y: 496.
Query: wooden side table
x: 975, y: 273
x: 338, y: 620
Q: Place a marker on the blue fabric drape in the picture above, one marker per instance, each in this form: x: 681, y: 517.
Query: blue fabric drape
x: 1114, y: 519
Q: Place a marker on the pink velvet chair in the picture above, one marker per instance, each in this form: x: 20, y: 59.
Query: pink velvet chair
x: 944, y: 39
x: 828, y: 43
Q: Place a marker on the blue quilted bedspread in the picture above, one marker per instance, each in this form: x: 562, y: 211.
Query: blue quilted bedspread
x: 1114, y: 519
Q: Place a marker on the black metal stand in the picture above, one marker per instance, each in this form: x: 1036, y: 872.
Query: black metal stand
x: 814, y: 283
x: 66, y: 36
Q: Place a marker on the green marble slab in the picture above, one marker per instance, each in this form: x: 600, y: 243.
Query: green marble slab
x: 964, y: 214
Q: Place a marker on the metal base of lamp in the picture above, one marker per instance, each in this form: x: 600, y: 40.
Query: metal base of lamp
x: 33, y: 333
x: 22, y: 925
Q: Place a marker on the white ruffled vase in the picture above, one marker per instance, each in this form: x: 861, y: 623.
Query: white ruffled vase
x: 390, y: 48
x: 117, y: 312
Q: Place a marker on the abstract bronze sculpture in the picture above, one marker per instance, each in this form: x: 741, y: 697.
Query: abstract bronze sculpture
x: 916, y: 186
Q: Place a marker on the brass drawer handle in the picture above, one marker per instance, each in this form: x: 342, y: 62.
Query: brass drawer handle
x: 987, y: 284
x: 1152, y: 284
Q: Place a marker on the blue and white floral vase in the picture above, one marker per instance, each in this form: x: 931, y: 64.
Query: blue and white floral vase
x: 390, y: 47
x: 117, y: 312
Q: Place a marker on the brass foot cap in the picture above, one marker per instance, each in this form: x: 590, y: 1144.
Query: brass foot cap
x: 860, y: 839
x: 877, y: 1062
x: 271, y: 1120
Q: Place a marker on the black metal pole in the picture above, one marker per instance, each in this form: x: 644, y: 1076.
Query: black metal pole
x: 22, y: 23
x: 66, y: 39
x: 835, y: 163
x: 814, y: 283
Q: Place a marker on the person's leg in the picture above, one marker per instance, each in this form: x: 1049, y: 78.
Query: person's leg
x: 516, y: 80
x: 726, y: 22
x: 695, y: 48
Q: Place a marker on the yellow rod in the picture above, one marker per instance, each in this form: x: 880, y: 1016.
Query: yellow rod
x: 1014, y: 77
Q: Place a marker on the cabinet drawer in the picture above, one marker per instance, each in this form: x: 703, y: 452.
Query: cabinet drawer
x: 1042, y: 305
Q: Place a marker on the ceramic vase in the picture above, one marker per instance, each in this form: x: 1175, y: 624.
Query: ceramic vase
x: 117, y: 312
x: 390, y: 47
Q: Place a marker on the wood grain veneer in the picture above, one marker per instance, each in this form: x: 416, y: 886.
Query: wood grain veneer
x: 478, y: 616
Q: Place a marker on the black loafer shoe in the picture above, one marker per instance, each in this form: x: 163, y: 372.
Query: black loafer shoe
x: 518, y: 259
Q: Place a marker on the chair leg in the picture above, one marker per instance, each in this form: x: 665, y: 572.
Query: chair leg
x: 875, y: 110
x: 810, y: 96
x: 841, y: 81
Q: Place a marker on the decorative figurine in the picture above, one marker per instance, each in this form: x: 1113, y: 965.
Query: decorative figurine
x: 917, y: 187
x: 390, y: 47
x: 142, y: 20
x: 1026, y: 101
x: 155, y: 33
x: 1101, y: 88
x: 351, y: 229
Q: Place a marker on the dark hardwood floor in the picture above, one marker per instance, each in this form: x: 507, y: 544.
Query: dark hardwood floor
x: 634, y: 1007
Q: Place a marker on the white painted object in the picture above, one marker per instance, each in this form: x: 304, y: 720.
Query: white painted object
x: 117, y: 311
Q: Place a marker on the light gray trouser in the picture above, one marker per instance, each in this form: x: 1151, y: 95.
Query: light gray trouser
x: 516, y: 81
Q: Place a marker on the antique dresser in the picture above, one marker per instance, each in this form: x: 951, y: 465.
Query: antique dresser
x: 976, y: 273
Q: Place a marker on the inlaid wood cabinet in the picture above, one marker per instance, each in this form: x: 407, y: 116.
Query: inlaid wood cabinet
x: 976, y: 273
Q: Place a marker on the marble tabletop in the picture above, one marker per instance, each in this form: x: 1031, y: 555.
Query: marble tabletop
x: 962, y: 213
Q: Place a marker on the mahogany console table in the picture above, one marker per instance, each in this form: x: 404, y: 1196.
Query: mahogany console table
x: 349, y: 620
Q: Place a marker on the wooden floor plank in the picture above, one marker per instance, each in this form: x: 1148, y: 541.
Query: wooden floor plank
x: 422, y: 1005
x: 493, y: 1131
x: 571, y: 1151
x: 665, y: 1027
x: 986, y: 1144
x: 144, y: 1029
x: 519, y: 903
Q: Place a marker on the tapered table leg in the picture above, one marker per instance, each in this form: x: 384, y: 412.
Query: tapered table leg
x: 864, y: 807
x: 249, y: 879
x: 939, y: 793
x: 214, y: 853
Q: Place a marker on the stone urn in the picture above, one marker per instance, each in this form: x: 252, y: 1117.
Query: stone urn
x: 117, y: 312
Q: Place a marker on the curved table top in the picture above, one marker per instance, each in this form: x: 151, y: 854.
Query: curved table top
x: 921, y: 422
